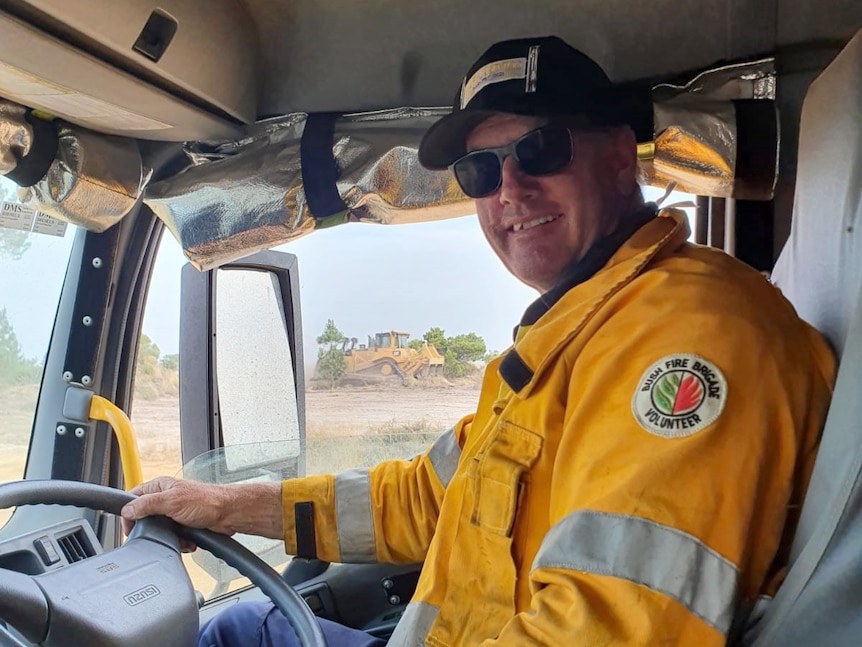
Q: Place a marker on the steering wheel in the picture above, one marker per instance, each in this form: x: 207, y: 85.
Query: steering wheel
x: 137, y: 595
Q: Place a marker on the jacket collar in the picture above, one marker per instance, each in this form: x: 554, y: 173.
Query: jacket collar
x: 559, y: 314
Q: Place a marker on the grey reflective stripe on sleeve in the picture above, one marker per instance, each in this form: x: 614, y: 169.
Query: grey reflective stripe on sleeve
x: 353, y: 516
x: 444, y: 455
x: 661, y: 558
x: 414, y: 625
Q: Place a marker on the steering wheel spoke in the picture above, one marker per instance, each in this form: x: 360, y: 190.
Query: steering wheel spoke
x: 22, y: 599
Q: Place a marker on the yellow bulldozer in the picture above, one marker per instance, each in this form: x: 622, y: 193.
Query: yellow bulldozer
x: 389, y: 357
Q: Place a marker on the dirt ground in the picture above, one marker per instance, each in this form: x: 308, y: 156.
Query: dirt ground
x: 357, y: 410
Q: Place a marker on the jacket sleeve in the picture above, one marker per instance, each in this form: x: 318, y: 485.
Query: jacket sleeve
x: 384, y: 514
x: 662, y: 522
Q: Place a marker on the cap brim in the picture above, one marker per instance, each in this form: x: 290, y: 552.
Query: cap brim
x: 446, y: 140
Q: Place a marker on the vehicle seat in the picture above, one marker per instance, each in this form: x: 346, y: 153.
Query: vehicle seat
x: 820, y: 271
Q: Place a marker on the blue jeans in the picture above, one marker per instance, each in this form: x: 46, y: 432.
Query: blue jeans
x: 260, y: 624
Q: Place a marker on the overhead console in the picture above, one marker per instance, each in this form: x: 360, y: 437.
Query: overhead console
x: 187, y: 70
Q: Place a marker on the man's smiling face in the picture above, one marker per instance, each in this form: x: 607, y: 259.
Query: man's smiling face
x: 540, y: 225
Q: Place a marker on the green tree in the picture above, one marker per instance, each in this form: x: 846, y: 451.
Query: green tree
x: 155, y: 376
x: 148, y: 356
x: 437, y: 337
x: 459, y: 352
x: 170, y: 362
x: 14, y: 367
x: 13, y: 243
x: 331, y: 362
x: 467, y: 348
x: 331, y: 335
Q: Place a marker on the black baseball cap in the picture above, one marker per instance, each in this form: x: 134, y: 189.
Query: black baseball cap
x: 542, y: 77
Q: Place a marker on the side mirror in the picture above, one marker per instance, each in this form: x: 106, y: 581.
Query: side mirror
x: 241, y: 364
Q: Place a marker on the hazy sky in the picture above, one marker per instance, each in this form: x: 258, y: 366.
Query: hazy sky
x: 371, y: 278
x: 368, y: 278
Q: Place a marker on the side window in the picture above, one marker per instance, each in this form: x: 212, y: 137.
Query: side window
x: 398, y: 324
x: 155, y: 407
x: 155, y: 411
x: 34, y: 254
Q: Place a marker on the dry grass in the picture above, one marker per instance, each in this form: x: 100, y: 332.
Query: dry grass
x: 162, y: 383
x: 437, y: 382
x: 17, y: 404
x: 329, y: 451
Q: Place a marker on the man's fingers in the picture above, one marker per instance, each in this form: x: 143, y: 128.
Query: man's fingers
x: 149, y: 501
x: 158, y: 484
x: 145, y: 506
x: 187, y: 547
x: 127, y: 526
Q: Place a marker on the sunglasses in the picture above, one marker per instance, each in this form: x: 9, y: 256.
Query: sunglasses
x: 543, y: 151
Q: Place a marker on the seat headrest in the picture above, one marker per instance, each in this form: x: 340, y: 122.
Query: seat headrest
x: 820, y: 267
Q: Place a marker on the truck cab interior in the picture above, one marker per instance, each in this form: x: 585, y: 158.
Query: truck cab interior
x: 238, y: 126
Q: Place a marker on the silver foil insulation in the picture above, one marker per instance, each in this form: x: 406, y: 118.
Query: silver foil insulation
x: 93, y: 181
x: 240, y: 197
x: 715, y: 136
x: 87, y: 179
x: 16, y: 136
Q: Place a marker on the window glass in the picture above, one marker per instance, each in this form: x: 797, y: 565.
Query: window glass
x: 34, y: 255
x: 390, y: 397
x: 155, y: 411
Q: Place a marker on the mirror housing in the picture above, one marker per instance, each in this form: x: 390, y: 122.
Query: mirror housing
x: 241, y: 360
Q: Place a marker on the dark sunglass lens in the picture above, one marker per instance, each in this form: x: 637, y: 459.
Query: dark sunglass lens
x: 544, y: 151
x: 478, y: 173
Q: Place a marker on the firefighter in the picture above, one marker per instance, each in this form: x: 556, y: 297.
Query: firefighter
x: 631, y: 470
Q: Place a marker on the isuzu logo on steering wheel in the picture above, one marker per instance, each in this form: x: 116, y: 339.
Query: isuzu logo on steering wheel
x: 141, y: 595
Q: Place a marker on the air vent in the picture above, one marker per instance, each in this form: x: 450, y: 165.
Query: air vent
x: 75, y: 546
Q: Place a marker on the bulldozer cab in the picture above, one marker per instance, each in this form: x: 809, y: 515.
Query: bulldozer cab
x: 391, y: 339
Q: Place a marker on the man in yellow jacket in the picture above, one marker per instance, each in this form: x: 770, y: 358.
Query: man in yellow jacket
x: 630, y: 474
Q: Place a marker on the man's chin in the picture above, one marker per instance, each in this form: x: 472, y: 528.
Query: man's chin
x: 538, y: 281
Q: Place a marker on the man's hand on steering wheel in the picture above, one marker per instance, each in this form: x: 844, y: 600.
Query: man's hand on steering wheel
x: 252, y: 508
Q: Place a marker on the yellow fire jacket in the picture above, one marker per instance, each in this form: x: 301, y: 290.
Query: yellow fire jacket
x: 629, y: 476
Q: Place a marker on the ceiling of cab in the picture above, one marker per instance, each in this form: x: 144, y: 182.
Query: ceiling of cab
x: 342, y: 55
x: 414, y: 53
x: 230, y: 62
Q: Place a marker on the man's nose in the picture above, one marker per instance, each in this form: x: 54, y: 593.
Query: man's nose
x: 515, y: 185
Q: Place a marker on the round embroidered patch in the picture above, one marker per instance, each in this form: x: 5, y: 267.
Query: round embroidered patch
x: 679, y: 395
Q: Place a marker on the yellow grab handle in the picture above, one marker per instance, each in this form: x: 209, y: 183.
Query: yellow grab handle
x: 107, y: 411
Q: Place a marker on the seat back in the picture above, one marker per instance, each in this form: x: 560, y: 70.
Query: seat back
x: 820, y: 271
x: 819, y: 267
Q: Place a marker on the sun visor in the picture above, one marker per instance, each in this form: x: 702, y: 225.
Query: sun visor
x: 300, y: 173
x: 716, y: 135
x: 70, y: 173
